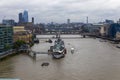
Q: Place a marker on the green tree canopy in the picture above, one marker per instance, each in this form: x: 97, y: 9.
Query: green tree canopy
x: 18, y: 43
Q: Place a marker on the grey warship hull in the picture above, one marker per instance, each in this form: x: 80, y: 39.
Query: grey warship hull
x: 58, y: 50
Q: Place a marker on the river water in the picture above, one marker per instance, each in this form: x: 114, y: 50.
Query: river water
x: 91, y: 60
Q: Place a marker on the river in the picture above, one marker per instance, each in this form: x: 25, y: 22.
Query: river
x: 91, y: 60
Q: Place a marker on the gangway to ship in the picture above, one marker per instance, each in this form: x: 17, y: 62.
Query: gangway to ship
x: 39, y: 52
x: 34, y: 53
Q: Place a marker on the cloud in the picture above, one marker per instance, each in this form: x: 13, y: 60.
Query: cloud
x: 59, y: 10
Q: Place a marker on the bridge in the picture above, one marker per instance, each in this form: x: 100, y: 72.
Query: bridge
x: 34, y: 52
x: 63, y: 32
x: 61, y: 37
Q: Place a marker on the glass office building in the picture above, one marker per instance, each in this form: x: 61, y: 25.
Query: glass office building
x: 25, y: 16
x: 6, y: 37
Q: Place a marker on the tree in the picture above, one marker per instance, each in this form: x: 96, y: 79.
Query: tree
x: 18, y: 44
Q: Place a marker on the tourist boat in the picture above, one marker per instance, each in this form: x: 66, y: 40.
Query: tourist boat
x: 36, y: 40
x: 50, y: 41
x: 118, y: 46
x: 58, y: 50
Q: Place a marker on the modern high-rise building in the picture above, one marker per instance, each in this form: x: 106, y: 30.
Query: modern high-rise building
x: 33, y: 20
x: 25, y: 16
x: 20, y: 17
x: 68, y: 21
x: 87, y: 20
x: 6, y: 37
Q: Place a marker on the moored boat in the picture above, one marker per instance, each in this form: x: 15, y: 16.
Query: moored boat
x: 58, y: 50
x: 118, y: 46
x: 36, y: 40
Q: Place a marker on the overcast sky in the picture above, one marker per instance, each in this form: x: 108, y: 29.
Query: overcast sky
x: 59, y: 11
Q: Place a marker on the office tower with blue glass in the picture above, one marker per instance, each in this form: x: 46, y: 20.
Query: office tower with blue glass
x: 23, y: 17
x: 20, y: 17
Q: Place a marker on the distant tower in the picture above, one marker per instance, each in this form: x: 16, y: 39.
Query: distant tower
x: 87, y: 20
x: 119, y: 21
x: 52, y: 23
x: 33, y: 20
x: 20, y: 18
x: 68, y: 21
x: 25, y: 16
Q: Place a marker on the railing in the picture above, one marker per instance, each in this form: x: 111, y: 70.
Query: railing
x: 6, y: 53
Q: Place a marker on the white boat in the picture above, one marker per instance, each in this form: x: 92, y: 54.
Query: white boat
x: 118, y: 46
x: 36, y: 40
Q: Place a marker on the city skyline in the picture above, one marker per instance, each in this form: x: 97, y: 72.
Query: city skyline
x: 60, y: 10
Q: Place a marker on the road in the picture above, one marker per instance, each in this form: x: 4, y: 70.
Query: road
x: 92, y: 60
